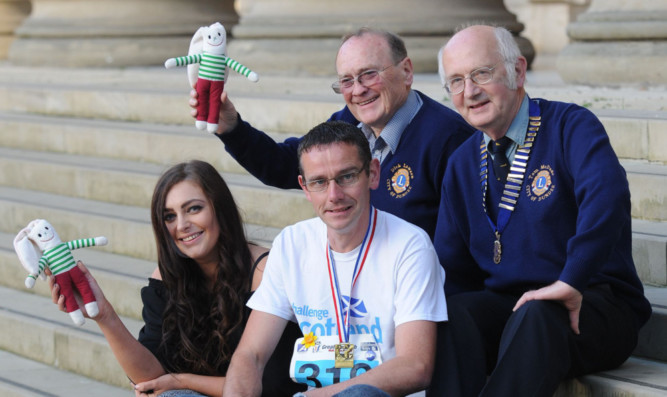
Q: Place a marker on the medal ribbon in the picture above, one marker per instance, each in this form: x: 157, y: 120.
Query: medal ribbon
x: 343, y: 322
x: 515, y: 178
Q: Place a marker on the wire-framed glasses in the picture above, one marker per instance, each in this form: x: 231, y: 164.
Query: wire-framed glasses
x: 366, y: 78
x: 479, y: 76
x: 342, y: 180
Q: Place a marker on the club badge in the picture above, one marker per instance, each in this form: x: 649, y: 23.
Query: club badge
x: 540, y: 183
x: 399, y: 185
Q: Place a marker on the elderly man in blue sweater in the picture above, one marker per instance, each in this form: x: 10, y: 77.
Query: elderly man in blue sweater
x: 534, y: 233
x: 411, y: 135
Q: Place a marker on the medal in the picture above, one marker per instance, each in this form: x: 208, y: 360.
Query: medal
x: 497, y: 249
x: 344, y: 351
x: 344, y: 355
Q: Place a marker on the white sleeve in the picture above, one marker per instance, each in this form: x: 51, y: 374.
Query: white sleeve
x: 271, y: 296
x: 420, y: 293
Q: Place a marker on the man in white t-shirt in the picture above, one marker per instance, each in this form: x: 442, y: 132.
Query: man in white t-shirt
x: 365, y: 287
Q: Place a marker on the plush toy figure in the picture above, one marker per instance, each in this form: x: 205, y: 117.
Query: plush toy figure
x: 38, y: 246
x: 207, y: 62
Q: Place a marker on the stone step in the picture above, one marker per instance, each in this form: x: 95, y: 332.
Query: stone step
x: 82, y: 350
x: 636, y: 377
x: 120, y: 277
x: 636, y: 134
x: 636, y: 120
x: 648, y: 189
x: 111, y: 180
x: 35, y: 329
x: 127, y: 227
x: 649, y: 251
x: 128, y: 98
x: 132, y: 183
x: 653, y: 335
x: 20, y: 377
x: 131, y: 141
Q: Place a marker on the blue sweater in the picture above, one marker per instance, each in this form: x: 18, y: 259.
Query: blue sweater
x: 410, y: 179
x: 571, y: 221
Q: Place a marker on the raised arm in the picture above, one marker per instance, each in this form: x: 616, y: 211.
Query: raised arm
x: 273, y: 163
x: 138, y: 362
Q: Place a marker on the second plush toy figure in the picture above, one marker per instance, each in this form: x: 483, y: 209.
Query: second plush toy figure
x: 38, y: 246
x: 208, y: 51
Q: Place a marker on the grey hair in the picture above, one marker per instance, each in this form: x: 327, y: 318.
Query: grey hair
x: 508, y: 50
x: 395, y: 43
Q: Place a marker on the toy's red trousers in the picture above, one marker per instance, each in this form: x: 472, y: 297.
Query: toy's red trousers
x: 74, y: 278
x: 208, y: 96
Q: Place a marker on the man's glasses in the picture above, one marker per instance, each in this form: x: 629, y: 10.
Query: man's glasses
x: 367, y: 78
x: 479, y: 76
x: 343, y: 180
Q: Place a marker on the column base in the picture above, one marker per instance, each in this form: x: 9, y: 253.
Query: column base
x: 613, y: 63
x: 97, y: 52
x: 317, y: 56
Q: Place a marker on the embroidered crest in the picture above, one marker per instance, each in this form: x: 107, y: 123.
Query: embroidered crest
x: 540, y: 183
x: 400, y: 183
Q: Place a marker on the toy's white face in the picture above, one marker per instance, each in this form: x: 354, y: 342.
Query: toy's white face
x: 44, y: 235
x: 215, y: 39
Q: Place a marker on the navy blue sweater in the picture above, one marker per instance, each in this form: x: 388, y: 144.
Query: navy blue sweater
x: 571, y: 222
x: 410, y: 179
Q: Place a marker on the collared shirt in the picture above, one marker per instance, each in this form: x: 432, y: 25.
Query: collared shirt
x: 517, y: 130
x: 392, y: 132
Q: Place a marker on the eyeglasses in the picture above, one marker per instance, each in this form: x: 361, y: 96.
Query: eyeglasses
x: 346, y: 179
x: 479, y: 76
x: 367, y: 78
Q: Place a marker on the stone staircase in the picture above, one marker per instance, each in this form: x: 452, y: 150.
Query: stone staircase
x: 84, y: 148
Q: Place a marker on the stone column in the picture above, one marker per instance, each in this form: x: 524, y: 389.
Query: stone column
x: 116, y: 33
x: 617, y: 42
x: 12, y: 13
x: 303, y: 36
x: 546, y: 25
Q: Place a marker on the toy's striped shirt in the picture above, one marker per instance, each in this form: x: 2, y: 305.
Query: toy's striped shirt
x: 59, y: 258
x: 212, y: 67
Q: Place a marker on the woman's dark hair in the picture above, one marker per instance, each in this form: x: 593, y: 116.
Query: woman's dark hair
x: 201, y: 325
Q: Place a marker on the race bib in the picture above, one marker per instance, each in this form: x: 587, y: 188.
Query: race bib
x: 317, y: 362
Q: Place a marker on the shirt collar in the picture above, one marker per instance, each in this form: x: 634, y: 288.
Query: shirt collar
x: 519, y: 126
x: 392, y: 132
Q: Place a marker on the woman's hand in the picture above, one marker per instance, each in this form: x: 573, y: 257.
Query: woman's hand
x: 102, y: 303
x: 159, y: 385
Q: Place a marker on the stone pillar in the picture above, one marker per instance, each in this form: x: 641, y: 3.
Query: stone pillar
x: 303, y: 36
x: 12, y: 13
x: 546, y: 25
x: 116, y: 33
x: 617, y: 42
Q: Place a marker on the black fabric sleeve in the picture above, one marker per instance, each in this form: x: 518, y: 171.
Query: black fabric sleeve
x: 154, y: 298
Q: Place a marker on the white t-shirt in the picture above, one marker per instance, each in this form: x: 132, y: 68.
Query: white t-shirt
x: 401, y: 281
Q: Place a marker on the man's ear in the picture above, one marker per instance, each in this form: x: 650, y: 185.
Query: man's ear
x: 408, y: 71
x: 521, y: 66
x: 302, y: 183
x: 374, y: 174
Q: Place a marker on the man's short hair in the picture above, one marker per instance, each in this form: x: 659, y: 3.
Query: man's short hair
x: 395, y: 43
x: 331, y: 132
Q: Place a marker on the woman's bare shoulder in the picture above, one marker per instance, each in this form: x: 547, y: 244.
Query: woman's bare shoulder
x: 156, y: 274
x: 256, y: 252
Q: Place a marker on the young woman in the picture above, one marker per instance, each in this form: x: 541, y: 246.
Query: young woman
x: 194, y: 304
